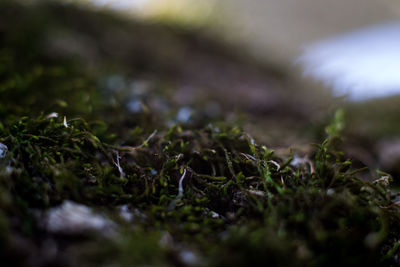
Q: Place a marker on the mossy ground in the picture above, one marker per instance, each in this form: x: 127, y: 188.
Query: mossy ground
x: 200, y: 192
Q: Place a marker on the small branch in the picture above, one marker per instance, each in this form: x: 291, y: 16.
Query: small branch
x: 133, y: 148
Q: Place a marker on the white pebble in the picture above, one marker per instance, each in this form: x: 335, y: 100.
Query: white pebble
x: 72, y: 218
x: 3, y: 150
x: 330, y: 192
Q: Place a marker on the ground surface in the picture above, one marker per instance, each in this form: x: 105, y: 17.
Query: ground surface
x: 133, y: 144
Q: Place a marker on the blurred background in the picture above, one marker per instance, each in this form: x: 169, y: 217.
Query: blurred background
x: 280, y: 68
x: 271, y: 29
x: 338, y: 43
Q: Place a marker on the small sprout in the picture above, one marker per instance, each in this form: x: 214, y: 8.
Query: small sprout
x: 65, y: 122
x: 146, y: 142
x: 174, y: 202
x: 180, y: 189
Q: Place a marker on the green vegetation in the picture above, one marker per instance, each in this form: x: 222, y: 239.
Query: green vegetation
x: 197, y: 192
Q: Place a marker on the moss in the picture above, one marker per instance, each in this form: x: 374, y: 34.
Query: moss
x: 237, y: 197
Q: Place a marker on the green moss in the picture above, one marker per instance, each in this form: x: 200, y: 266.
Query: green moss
x: 237, y: 197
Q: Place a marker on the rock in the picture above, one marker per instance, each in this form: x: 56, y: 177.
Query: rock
x: 73, y: 218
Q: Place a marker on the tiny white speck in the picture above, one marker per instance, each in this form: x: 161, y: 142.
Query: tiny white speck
x: 214, y: 215
x: 330, y: 192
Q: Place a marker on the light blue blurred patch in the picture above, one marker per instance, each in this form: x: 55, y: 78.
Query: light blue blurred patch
x: 115, y: 83
x: 140, y: 87
x: 134, y: 106
x: 361, y: 65
x: 184, y: 114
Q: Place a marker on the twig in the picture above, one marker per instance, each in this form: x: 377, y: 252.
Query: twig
x: 133, y: 148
